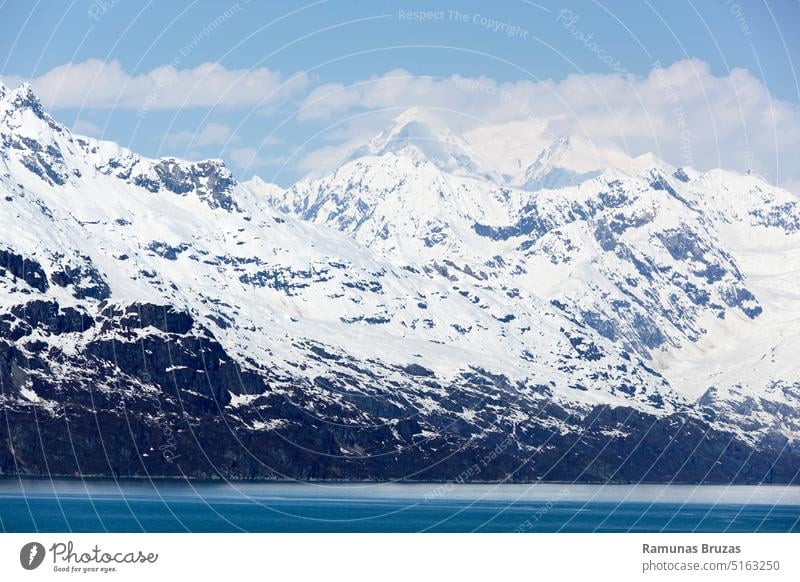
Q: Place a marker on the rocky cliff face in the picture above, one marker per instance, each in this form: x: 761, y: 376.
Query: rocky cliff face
x: 403, y: 318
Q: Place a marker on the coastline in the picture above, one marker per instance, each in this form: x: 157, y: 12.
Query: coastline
x: 192, y: 479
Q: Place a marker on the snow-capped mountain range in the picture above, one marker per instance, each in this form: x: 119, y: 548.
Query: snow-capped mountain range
x: 597, y: 317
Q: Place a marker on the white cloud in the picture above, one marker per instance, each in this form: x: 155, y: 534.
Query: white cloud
x: 683, y: 113
x: 211, y: 135
x: 86, y: 127
x: 99, y: 84
x: 322, y: 160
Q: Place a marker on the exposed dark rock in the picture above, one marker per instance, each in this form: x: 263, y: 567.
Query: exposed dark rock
x: 23, y: 268
x: 85, y: 279
x: 47, y: 315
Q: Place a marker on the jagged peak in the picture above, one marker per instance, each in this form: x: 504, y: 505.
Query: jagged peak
x: 569, y: 160
x: 685, y: 174
x: 555, y: 150
x: 565, y: 161
x: 24, y: 88
x: 573, y: 146
x: 216, y: 163
x: 24, y: 97
x: 180, y: 175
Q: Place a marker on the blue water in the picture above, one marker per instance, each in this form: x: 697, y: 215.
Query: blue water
x: 32, y: 505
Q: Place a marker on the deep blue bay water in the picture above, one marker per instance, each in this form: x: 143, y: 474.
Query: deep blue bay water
x: 98, y: 505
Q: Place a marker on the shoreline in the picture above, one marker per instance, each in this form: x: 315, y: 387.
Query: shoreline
x: 221, y: 480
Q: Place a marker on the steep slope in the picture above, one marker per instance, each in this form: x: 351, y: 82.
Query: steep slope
x: 157, y: 317
x: 651, y: 261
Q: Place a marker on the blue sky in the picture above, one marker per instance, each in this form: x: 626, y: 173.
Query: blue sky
x: 271, y: 56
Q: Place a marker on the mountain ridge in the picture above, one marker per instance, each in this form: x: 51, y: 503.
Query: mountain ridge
x: 382, y: 333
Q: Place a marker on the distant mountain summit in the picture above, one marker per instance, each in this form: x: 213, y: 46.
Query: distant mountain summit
x: 571, y: 160
x: 399, y: 318
x: 557, y: 166
x: 418, y: 135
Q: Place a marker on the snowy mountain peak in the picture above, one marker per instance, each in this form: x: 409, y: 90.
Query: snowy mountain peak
x: 567, y: 161
x: 24, y: 122
x: 570, y: 160
x: 557, y: 148
x: 262, y: 189
x: 417, y: 134
x: 210, y: 180
x: 23, y: 97
x: 449, y: 309
x: 412, y: 125
x: 410, y: 128
x: 49, y: 152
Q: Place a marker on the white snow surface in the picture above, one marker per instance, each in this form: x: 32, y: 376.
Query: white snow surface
x: 640, y: 286
x: 697, y: 272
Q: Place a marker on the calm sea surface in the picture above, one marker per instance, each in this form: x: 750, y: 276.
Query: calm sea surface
x: 75, y: 505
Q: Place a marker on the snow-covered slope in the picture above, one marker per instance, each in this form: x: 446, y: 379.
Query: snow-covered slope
x: 397, y: 318
x: 666, y: 263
